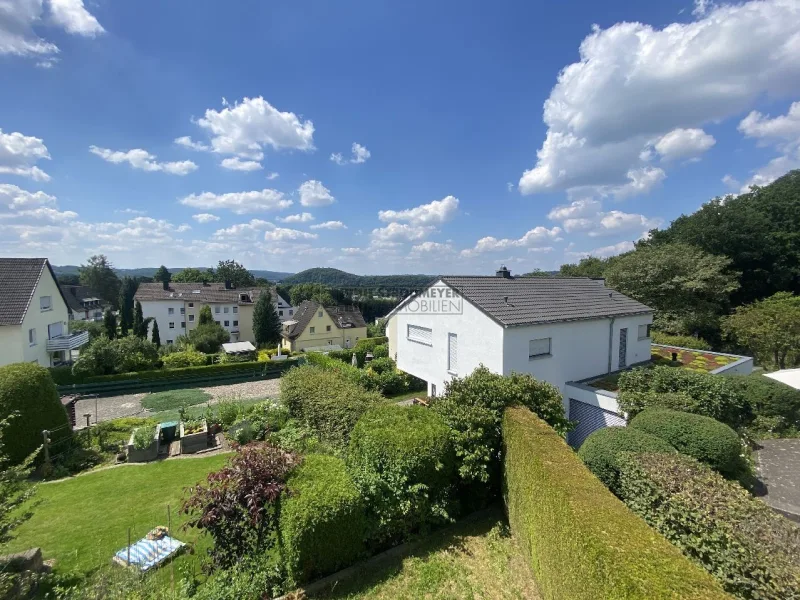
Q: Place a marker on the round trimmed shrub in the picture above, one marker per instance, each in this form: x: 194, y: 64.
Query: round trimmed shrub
x: 402, y: 461
x: 703, y: 438
x: 601, y: 449
x: 28, y: 390
x: 322, y: 520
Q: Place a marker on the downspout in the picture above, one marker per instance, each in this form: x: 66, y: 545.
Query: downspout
x: 610, y: 341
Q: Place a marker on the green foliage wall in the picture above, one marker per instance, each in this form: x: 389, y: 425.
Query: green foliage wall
x: 581, y: 542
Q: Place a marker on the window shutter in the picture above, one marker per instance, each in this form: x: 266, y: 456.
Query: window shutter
x: 420, y: 334
x: 452, y: 352
x: 539, y: 347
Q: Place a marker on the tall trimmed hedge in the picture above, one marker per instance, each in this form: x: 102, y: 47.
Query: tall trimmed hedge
x: 582, y: 542
x: 682, y: 341
x: 368, y: 344
x: 326, y: 401
x: 403, y: 462
x: 703, y: 438
x: 600, y: 451
x: 776, y: 406
x: 28, y: 390
x: 710, y: 395
x: 322, y: 521
x: 753, y: 551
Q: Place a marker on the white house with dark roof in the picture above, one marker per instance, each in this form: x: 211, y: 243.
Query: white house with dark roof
x: 34, y: 316
x: 558, y: 329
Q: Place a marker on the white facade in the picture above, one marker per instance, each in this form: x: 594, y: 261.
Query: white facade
x: 460, y: 342
x: 170, y: 316
x: 47, y: 317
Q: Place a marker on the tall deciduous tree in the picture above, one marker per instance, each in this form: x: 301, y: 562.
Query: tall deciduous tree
x: 230, y: 270
x: 266, y: 324
x: 139, y: 329
x: 156, y: 337
x: 311, y: 291
x: 162, y: 275
x: 126, y: 293
x: 110, y: 324
x: 98, y: 275
x: 591, y: 266
x: 688, y: 288
x: 192, y: 275
x: 770, y: 328
x: 205, y: 318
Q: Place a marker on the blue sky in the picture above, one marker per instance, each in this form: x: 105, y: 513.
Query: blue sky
x: 382, y: 137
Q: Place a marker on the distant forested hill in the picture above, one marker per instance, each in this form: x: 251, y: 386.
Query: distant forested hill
x: 341, y: 279
x: 150, y: 271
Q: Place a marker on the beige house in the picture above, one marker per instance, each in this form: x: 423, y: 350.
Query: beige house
x: 317, y: 327
x: 176, y: 308
x: 34, y: 317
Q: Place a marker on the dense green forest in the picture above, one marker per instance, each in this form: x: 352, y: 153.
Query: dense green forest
x: 148, y: 272
x: 729, y: 273
x: 341, y: 279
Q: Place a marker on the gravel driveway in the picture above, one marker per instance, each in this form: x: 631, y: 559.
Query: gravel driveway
x: 115, y: 407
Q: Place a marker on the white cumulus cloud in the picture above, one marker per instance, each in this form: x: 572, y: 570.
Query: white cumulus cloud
x: 433, y: 213
x: 281, y: 234
x: 330, y: 225
x: 313, y: 193
x: 74, y: 18
x: 237, y: 164
x: 682, y: 144
x: 239, y: 202
x: 19, y: 154
x: 205, y: 218
x: 304, y: 217
x: 142, y: 159
x: 359, y: 154
x: 783, y: 132
x: 535, y: 238
x: 635, y: 83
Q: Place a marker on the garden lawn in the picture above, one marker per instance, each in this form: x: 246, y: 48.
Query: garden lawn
x: 83, y: 521
x: 199, y: 411
x: 472, y: 560
x: 174, y: 399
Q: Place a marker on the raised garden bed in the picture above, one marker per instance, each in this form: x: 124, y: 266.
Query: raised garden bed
x: 144, y: 454
x: 194, y: 436
x: 694, y: 360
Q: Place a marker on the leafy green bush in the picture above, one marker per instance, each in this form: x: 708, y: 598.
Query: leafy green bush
x: 173, y: 399
x: 776, y: 406
x: 368, y: 344
x: 267, y: 417
x: 143, y: 436
x: 322, y: 520
x: 28, y: 390
x: 382, y: 365
x: 749, y: 548
x: 295, y: 436
x: 600, y: 451
x: 228, y: 412
x: 473, y: 407
x: 206, y: 338
x: 225, y: 358
x: 380, y: 351
x: 121, y: 355
x: 711, y: 395
x: 327, y: 401
x: 184, y: 358
x: 402, y: 461
x: 581, y: 542
x: 703, y: 438
x: 682, y: 341
x: 346, y: 356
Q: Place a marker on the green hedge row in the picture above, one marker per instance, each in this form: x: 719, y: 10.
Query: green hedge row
x: 368, y: 344
x: 753, y: 551
x: 682, y: 341
x: 582, y: 542
x: 322, y: 521
x: 198, y: 371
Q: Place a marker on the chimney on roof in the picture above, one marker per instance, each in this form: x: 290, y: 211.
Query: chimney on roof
x: 503, y: 272
x: 228, y: 284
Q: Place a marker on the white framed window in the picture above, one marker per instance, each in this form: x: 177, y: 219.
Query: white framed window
x: 45, y: 302
x: 452, y: 353
x: 235, y: 309
x: 291, y: 312
x: 236, y: 323
x: 191, y: 318
x: 280, y: 313
x: 170, y: 311
x: 644, y: 331
x: 422, y: 335
x: 216, y: 309
x: 225, y: 310
x: 32, y: 337
x: 183, y: 324
x: 319, y: 314
x: 191, y: 304
x: 538, y: 348
x: 172, y: 324
x: 327, y: 327
x: 183, y: 311
x: 312, y: 330
x: 227, y: 323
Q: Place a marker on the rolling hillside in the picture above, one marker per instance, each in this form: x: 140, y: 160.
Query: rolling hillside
x: 341, y: 279
x: 150, y: 271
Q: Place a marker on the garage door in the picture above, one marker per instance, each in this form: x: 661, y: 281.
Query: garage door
x: 589, y: 418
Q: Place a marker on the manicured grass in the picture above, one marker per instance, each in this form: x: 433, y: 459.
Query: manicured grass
x: 83, y: 521
x: 173, y: 399
x: 198, y: 411
x: 472, y: 560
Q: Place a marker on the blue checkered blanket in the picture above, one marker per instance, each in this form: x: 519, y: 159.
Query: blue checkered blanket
x: 146, y: 554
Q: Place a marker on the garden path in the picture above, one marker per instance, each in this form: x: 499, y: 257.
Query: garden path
x: 779, y: 467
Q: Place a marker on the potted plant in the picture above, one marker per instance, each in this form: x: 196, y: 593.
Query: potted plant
x: 194, y: 436
x: 143, y: 444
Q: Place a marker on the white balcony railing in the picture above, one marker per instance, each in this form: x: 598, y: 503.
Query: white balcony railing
x: 67, y: 341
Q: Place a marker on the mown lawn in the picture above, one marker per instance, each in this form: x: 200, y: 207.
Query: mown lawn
x: 174, y: 399
x: 83, y: 521
x: 474, y: 560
